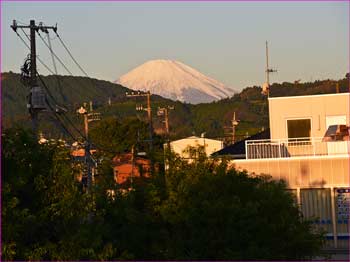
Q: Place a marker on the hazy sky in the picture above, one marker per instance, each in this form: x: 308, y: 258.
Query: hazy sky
x: 224, y: 40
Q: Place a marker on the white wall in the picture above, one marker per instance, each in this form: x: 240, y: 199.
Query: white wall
x: 211, y: 145
x: 315, y: 107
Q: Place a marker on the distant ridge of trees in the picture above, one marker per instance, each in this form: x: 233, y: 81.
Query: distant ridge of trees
x: 250, y: 105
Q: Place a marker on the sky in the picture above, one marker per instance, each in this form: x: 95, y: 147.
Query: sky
x: 224, y: 40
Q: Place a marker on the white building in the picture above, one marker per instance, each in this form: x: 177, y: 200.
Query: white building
x: 316, y: 170
x: 181, y: 146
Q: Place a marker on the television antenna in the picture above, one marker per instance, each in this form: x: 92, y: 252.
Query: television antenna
x: 268, y: 70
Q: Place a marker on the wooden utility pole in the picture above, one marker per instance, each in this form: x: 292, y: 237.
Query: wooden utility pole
x: 36, y: 97
x: 149, y: 112
x: 164, y: 111
x: 88, y: 117
x: 132, y: 164
x: 234, y: 123
x: 232, y: 128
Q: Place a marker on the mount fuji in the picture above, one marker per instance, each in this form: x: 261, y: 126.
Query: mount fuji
x: 175, y: 80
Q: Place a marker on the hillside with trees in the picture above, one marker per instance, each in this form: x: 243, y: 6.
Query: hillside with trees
x: 185, y: 120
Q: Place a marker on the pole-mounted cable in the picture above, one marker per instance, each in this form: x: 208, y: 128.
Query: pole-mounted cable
x: 58, y: 59
x: 24, y: 42
x: 70, y: 54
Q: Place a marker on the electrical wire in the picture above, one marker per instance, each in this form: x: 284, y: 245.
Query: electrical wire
x: 52, y: 56
x: 55, y: 67
x: 59, y: 60
x: 52, y: 97
x: 24, y: 42
x: 64, y: 115
x: 55, y: 55
x: 53, y: 73
x: 74, y: 60
x: 70, y: 122
x: 70, y: 54
x: 60, y: 121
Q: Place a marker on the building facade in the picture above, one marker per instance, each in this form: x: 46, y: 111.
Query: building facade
x: 126, y: 168
x: 181, y: 146
x: 315, y: 169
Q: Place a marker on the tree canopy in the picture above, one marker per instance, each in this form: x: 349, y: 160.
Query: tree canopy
x: 193, y: 211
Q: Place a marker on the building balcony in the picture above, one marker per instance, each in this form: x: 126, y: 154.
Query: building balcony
x: 299, y: 147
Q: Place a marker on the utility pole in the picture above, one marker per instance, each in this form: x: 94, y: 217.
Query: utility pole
x: 232, y: 128
x: 36, y: 98
x: 268, y: 70
x: 149, y: 112
x: 164, y: 111
x: 132, y: 164
x: 88, y: 117
x: 234, y: 123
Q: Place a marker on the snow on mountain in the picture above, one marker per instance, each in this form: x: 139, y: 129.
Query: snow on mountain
x: 176, y: 81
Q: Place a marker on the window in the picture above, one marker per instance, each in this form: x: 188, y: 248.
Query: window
x: 299, y: 128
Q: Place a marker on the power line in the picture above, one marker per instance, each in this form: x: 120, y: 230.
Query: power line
x: 60, y: 121
x: 34, y: 73
x: 24, y: 42
x: 64, y: 115
x: 52, y: 56
x: 70, y: 54
x: 69, y: 120
x: 74, y: 60
x: 59, y: 60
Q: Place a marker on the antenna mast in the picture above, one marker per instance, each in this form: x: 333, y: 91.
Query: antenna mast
x: 267, y: 65
x: 268, y: 70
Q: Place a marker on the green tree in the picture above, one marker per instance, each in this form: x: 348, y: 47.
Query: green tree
x: 216, y: 212
x: 197, y: 210
x: 42, y: 204
x: 119, y: 136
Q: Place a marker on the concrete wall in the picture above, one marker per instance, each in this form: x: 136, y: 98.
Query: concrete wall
x: 302, y: 172
x: 317, y: 183
x: 316, y: 107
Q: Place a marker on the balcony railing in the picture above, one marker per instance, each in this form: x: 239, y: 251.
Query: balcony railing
x: 284, y: 148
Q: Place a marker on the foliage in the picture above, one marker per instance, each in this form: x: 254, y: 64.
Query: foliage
x: 197, y: 210
x: 41, y: 201
x: 116, y: 136
x: 215, y: 212
x: 212, y: 118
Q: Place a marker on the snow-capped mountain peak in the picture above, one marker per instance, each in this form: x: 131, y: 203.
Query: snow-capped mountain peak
x: 176, y: 81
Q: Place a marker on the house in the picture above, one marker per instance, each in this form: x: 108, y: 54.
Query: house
x: 181, y: 146
x: 126, y: 167
x: 301, y: 152
x: 80, y: 153
x: 237, y: 150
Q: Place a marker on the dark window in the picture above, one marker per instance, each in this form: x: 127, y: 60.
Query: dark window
x: 299, y: 128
